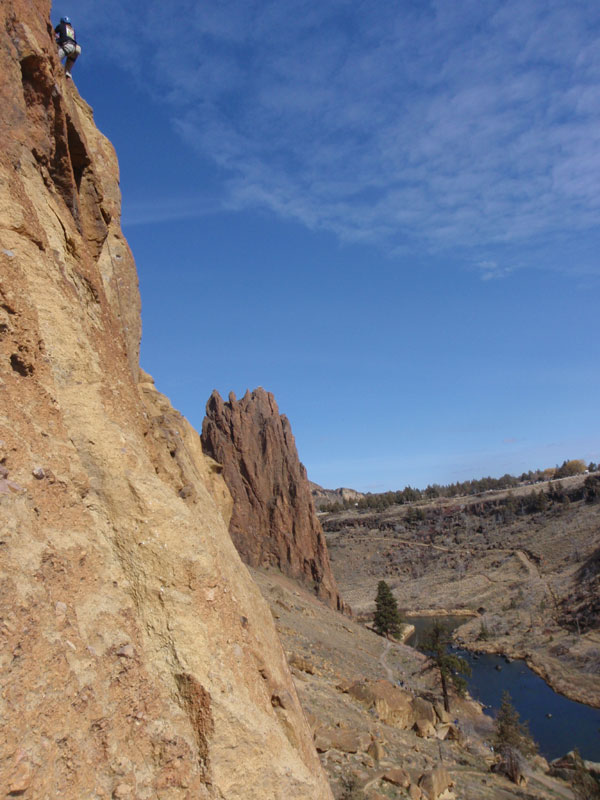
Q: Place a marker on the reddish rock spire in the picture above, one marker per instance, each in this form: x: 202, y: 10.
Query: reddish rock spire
x: 274, y: 520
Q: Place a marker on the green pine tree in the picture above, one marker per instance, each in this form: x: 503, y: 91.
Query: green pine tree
x: 512, y: 741
x: 451, y: 667
x: 510, y: 732
x: 387, y: 618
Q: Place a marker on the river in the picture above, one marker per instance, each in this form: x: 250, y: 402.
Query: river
x: 556, y: 723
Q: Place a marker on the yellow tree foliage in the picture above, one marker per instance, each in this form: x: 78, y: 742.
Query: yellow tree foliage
x: 573, y: 467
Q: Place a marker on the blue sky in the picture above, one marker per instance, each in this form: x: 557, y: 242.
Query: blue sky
x: 387, y: 214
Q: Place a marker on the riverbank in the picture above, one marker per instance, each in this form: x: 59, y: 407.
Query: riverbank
x: 556, y: 723
x: 421, y: 623
x: 441, y: 612
x: 575, y: 685
x: 557, y: 656
x: 408, y: 629
x: 558, y: 661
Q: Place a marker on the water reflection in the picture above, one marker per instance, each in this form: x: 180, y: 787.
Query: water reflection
x: 556, y: 723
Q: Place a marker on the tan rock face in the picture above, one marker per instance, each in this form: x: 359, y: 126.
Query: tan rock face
x: 137, y: 658
x: 324, y: 497
x: 393, y: 705
x: 274, y: 521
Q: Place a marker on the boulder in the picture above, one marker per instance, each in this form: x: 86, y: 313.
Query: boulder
x: 443, y: 715
x: 441, y: 732
x: 593, y: 767
x: 435, y: 782
x: 393, y: 705
x: 424, y: 710
x: 424, y: 728
x: 539, y: 762
x: 563, y: 767
x: 377, y: 751
x: 397, y: 777
x: 448, y: 731
x: 343, y: 739
x: 302, y: 664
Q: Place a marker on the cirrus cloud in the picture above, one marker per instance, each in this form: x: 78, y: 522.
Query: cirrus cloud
x: 441, y: 126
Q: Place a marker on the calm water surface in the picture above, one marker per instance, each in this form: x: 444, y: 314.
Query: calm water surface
x: 424, y: 624
x: 556, y: 723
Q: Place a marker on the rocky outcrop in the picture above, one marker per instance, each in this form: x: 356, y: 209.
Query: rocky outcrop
x: 393, y: 706
x: 324, y: 498
x: 137, y: 658
x: 435, y: 782
x: 274, y: 521
x: 342, y: 739
x: 398, y: 708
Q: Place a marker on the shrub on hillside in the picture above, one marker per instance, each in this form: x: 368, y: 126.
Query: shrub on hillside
x: 573, y: 467
x: 591, y: 488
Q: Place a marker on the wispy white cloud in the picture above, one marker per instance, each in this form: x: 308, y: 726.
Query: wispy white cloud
x: 491, y: 270
x: 166, y: 209
x: 434, y: 125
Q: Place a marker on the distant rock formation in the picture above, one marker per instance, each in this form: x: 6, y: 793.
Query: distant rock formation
x: 326, y: 497
x: 274, y: 520
x: 137, y: 657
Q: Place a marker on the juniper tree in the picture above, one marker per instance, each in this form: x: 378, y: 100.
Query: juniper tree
x: 510, y: 731
x: 387, y: 618
x: 451, y: 667
x: 512, y: 740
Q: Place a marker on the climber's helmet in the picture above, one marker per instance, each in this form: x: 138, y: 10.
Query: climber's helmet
x: 66, y: 20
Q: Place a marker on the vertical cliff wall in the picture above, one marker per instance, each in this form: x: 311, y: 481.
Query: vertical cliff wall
x: 274, y: 520
x: 137, y: 658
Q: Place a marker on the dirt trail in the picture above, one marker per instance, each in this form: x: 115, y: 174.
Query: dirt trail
x: 383, y: 661
x: 531, y: 568
x: 468, y: 550
x: 395, y: 540
x: 554, y: 786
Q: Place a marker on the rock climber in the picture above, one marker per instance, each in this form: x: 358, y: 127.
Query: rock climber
x: 67, y: 44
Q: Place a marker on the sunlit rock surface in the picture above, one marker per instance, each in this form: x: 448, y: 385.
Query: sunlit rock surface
x: 137, y: 658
